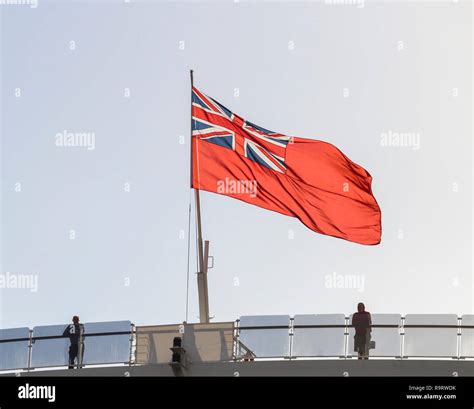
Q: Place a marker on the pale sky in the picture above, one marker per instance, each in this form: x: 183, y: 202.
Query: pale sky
x: 104, y: 230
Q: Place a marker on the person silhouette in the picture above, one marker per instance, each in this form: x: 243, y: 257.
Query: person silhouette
x: 75, y: 331
x: 362, y: 322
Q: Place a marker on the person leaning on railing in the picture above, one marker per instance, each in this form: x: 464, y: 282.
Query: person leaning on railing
x: 74, y: 331
x: 362, y: 323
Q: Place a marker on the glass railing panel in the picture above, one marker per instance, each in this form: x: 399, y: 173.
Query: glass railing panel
x: 266, y: 342
x: 98, y: 349
x: 311, y: 342
x: 14, y: 354
x: 113, y: 348
x: 49, y: 352
x: 467, y: 337
x: 427, y: 342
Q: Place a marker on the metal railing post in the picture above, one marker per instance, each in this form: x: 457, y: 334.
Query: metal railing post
x: 30, y: 349
x: 346, y: 337
x: 291, y: 334
x: 459, y: 340
x: 234, y: 342
x: 402, y: 337
x: 81, y: 347
x: 130, y: 358
x: 237, y: 334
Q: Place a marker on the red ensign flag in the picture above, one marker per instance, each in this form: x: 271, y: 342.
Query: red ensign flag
x: 304, y: 178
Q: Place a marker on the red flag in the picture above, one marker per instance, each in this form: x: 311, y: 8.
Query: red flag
x: 304, y: 178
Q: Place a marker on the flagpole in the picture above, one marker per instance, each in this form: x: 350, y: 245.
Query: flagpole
x: 202, y: 260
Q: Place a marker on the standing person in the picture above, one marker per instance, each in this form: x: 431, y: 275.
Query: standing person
x: 75, y: 333
x: 362, y: 323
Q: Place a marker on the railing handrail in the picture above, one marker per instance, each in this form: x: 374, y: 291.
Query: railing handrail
x: 260, y: 327
x: 84, y: 335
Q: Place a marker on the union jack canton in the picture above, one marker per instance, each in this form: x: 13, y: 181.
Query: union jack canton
x: 214, y: 123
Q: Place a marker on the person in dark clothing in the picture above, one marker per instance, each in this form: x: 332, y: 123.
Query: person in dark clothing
x: 75, y: 333
x: 362, y: 323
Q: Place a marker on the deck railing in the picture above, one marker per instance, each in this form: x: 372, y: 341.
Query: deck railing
x: 250, y: 338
